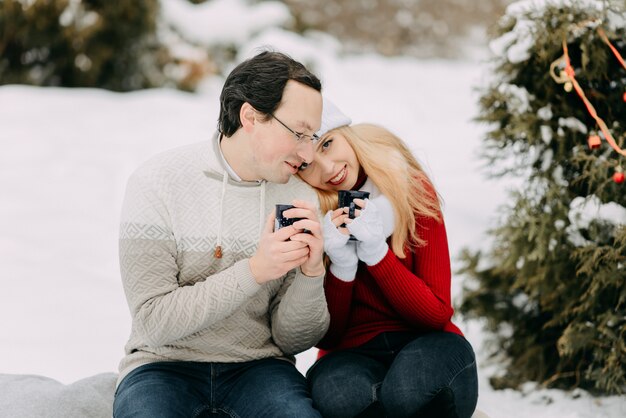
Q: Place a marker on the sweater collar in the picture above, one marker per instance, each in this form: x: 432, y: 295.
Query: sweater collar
x: 218, y: 165
x: 220, y: 155
x: 360, y: 181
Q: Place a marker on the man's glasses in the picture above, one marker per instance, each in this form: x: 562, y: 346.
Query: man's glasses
x: 300, y: 137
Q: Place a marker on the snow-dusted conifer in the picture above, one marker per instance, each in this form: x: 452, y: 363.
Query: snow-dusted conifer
x: 555, y: 276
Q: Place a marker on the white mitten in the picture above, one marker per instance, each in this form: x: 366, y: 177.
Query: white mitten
x: 387, y: 215
x: 368, y: 229
x: 342, y: 253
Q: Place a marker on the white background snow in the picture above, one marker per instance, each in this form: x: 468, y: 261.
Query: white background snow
x: 65, y: 155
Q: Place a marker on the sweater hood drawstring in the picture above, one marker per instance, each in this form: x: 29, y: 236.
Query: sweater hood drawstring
x: 218, y: 248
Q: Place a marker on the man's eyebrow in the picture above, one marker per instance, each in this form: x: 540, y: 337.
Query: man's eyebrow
x: 303, y: 124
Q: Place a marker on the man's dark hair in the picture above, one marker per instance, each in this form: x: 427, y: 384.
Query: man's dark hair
x: 260, y: 81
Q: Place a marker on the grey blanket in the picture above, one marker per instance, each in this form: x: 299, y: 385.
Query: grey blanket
x: 29, y: 396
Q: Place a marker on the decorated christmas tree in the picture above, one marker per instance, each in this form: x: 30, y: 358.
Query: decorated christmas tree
x: 553, y: 284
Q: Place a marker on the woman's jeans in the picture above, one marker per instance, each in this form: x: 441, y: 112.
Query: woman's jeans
x: 398, y: 374
x: 260, y: 388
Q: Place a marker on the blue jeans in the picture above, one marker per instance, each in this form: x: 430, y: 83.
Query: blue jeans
x: 259, y: 388
x: 398, y: 374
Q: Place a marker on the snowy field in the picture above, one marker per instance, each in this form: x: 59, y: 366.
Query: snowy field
x: 65, y: 156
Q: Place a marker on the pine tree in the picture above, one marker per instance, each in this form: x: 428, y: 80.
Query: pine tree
x: 553, y: 285
x: 81, y: 43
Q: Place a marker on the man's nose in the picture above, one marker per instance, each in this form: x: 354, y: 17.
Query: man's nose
x: 306, y: 152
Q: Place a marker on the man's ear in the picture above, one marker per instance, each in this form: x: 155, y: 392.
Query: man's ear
x: 247, y: 116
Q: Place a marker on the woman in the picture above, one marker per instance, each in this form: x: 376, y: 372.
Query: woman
x: 391, y: 349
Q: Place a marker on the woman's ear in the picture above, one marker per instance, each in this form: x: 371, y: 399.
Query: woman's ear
x: 247, y: 116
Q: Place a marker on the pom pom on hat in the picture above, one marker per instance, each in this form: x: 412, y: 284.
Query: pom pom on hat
x: 332, y: 118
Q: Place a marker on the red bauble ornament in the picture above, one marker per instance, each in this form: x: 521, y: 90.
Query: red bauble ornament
x: 618, y: 177
x: 594, y: 141
x: 624, y: 97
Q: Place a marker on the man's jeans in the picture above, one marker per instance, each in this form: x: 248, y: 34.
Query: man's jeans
x: 396, y: 375
x: 260, y: 388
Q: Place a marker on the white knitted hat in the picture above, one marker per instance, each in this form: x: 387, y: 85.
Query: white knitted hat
x: 332, y: 118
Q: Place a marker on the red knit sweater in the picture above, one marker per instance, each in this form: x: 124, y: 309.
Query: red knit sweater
x: 410, y: 294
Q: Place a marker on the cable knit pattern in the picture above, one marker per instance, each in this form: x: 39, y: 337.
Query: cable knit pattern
x: 185, y: 303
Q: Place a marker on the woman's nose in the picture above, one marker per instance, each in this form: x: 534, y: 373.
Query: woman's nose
x: 326, y: 165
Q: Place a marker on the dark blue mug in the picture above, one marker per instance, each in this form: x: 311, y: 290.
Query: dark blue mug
x: 346, y: 200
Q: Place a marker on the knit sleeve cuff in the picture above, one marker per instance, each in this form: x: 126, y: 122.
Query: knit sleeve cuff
x: 335, y: 283
x: 307, y: 287
x: 245, y: 277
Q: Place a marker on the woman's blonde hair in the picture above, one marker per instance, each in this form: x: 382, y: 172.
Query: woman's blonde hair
x: 396, y: 173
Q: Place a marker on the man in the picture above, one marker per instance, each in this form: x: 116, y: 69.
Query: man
x: 220, y: 301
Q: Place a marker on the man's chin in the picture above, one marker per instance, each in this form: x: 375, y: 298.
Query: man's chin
x: 282, y: 178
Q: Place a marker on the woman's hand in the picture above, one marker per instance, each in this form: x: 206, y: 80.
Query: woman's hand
x: 342, y: 252
x: 368, y: 227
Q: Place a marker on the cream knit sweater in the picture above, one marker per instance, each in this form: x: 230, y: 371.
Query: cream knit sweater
x: 187, y: 305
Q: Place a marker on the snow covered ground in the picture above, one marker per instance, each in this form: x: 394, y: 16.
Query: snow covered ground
x: 65, y: 155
